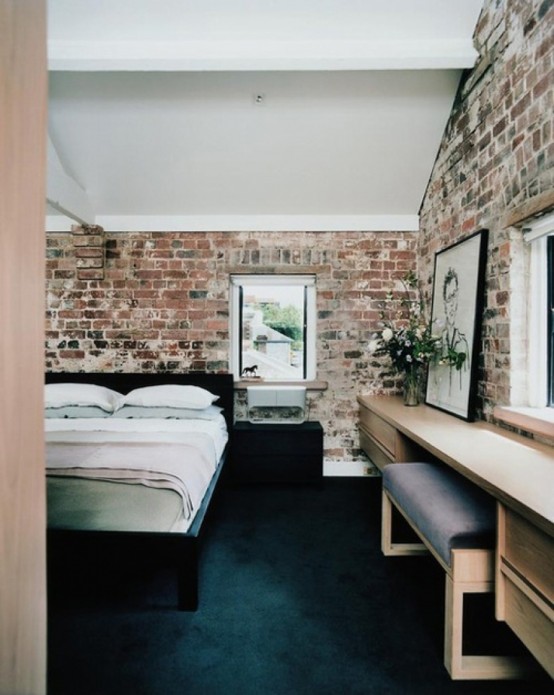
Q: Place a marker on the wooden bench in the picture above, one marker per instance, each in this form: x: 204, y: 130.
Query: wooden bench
x: 455, y: 521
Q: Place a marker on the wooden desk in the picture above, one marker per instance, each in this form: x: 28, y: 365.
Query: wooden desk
x: 514, y: 469
x: 517, y: 471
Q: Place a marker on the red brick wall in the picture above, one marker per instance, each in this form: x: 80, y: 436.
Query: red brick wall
x: 163, y: 303
x: 497, y: 158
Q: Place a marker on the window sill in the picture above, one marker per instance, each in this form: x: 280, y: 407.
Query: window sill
x: 309, y: 385
x: 539, y: 421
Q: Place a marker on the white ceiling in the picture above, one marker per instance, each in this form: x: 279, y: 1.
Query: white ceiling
x: 250, y: 114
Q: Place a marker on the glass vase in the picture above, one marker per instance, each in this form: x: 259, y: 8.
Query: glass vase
x: 411, y: 388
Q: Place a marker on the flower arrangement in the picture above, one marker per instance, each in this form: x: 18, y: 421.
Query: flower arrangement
x: 408, y: 339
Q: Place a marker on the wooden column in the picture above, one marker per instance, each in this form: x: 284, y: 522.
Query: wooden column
x: 23, y: 97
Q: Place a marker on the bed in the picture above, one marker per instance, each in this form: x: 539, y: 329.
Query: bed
x: 115, y: 480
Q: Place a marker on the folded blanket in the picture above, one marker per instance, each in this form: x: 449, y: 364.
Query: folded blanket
x: 182, y: 467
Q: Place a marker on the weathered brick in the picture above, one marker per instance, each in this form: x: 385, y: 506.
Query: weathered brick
x: 88, y: 240
x: 503, y: 171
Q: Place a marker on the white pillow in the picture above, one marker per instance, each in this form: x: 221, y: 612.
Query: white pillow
x: 171, y: 396
x: 64, y: 394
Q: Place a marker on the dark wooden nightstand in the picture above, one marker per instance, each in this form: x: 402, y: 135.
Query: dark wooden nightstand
x: 277, y: 453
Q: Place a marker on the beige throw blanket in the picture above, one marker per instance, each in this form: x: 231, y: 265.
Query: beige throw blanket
x: 175, y: 465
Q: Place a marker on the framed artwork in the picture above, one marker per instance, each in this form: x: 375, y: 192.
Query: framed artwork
x: 456, y: 315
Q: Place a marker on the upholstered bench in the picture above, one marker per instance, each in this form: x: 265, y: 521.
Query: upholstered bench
x: 456, y: 522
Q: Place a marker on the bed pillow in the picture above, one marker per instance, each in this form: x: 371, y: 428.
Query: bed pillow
x: 64, y: 394
x: 76, y: 411
x: 212, y: 412
x: 170, y: 396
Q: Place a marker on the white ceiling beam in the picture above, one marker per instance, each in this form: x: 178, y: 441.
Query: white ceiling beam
x: 64, y: 194
x: 260, y: 55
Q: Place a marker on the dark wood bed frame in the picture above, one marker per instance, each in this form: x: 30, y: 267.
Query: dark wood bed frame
x: 181, y: 550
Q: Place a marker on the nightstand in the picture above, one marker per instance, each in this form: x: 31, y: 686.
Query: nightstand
x: 277, y: 453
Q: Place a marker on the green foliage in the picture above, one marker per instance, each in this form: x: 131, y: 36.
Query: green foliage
x: 406, y: 336
x: 453, y: 358
x: 287, y: 320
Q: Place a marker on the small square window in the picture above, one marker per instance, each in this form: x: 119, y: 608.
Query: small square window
x: 273, y: 327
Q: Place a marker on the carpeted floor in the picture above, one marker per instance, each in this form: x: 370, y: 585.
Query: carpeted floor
x: 296, y: 599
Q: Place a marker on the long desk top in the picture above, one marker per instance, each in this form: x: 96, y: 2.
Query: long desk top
x: 516, y: 470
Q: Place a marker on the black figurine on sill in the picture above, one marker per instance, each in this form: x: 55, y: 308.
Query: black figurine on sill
x: 250, y: 371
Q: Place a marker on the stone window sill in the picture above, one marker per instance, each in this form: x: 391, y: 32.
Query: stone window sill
x: 537, y: 421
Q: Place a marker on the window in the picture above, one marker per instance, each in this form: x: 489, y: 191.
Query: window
x: 540, y: 236
x: 550, y: 318
x: 273, y: 326
x: 531, y: 405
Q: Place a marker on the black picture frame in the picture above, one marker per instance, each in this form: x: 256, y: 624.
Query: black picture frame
x: 456, y: 314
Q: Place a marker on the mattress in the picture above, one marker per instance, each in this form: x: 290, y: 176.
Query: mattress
x: 78, y: 500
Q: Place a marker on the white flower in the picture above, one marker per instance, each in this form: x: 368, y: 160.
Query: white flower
x: 387, y: 335
x: 373, y: 346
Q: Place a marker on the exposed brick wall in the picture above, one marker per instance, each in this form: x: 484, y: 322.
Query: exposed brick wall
x: 163, y: 305
x: 88, y: 241
x: 497, y: 157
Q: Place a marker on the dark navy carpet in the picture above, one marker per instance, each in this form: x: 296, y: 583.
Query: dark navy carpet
x: 295, y: 598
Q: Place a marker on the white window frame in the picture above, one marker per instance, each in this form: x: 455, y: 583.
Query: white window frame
x: 536, y: 235
x: 309, y: 281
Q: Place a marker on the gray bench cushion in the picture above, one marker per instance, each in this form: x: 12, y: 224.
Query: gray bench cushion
x: 449, y: 510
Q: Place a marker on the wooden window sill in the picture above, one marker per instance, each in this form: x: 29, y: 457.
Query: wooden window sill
x: 309, y: 385
x: 538, y: 421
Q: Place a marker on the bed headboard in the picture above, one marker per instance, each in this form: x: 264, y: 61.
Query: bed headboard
x: 219, y: 384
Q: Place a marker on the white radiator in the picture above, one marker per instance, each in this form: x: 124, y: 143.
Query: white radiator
x: 276, y: 404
